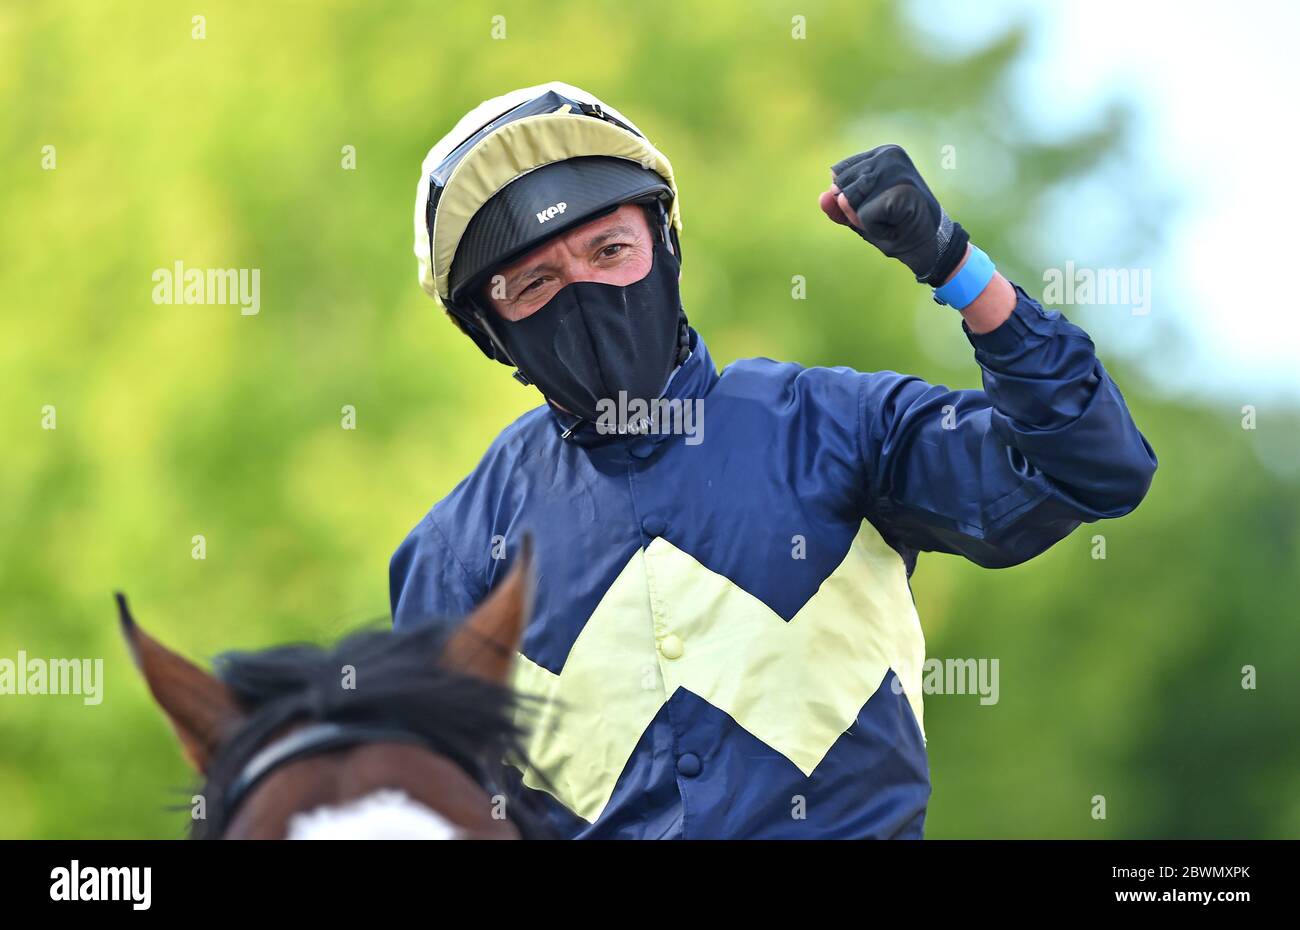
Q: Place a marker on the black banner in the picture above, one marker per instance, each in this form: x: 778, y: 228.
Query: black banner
x: 179, y: 878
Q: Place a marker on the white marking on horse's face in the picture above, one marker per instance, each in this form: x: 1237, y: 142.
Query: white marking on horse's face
x: 387, y: 814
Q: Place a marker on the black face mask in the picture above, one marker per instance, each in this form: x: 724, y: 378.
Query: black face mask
x: 591, y: 340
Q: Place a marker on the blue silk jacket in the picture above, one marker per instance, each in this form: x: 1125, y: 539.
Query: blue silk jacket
x: 724, y: 642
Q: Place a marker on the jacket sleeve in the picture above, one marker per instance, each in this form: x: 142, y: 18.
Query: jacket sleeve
x: 1001, y: 474
x: 427, y: 582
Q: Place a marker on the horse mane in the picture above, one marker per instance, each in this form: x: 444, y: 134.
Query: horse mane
x: 396, y: 682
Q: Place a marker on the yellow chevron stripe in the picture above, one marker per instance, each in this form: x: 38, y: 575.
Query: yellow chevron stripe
x: 590, y: 718
x: 796, y: 686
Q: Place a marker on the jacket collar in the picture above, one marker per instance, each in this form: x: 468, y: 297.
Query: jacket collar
x: 692, y: 379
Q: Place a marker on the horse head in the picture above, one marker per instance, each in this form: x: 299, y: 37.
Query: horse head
x: 387, y: 734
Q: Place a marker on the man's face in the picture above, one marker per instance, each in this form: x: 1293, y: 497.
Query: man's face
x: 614, y: 249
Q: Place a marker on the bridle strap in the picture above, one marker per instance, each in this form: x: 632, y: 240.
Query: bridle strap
x: 313, y: 739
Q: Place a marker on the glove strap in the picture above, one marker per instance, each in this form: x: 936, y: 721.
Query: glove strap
x: 969, y: 282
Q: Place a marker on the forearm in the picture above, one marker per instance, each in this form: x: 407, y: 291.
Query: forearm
x: 1054, y: 408
x: 993, y: 305
x: 1054, y: 403
x: 1000, y: 475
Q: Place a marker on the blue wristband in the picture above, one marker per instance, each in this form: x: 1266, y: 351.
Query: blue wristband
x: 969, y: 282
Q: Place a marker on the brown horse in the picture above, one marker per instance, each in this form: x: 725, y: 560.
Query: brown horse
x: 388, y: 734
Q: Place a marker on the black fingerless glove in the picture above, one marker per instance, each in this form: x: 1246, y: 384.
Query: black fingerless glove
x: 899, y: 215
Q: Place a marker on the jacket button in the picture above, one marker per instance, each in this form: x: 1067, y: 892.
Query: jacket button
x: 671, y: 647
x: 642, y: 448
x: 653, y: 527
x: 688, y: 764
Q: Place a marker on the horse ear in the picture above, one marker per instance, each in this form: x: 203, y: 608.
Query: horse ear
x: 486, y: 642
x: 202, y: 710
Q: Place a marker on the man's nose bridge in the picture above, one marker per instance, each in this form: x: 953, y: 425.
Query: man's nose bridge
x: 574, y: 269
x: 575, y: 265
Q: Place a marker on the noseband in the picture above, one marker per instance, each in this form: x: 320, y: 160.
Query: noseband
x: 317, y: 738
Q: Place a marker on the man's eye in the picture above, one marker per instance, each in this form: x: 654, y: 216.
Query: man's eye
x: 616, y: 247
x: 533, y: 285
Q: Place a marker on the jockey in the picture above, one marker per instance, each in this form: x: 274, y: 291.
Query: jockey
x: 724, y: 642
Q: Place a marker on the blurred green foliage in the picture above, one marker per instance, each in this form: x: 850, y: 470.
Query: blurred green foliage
x: 1119, y: 677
